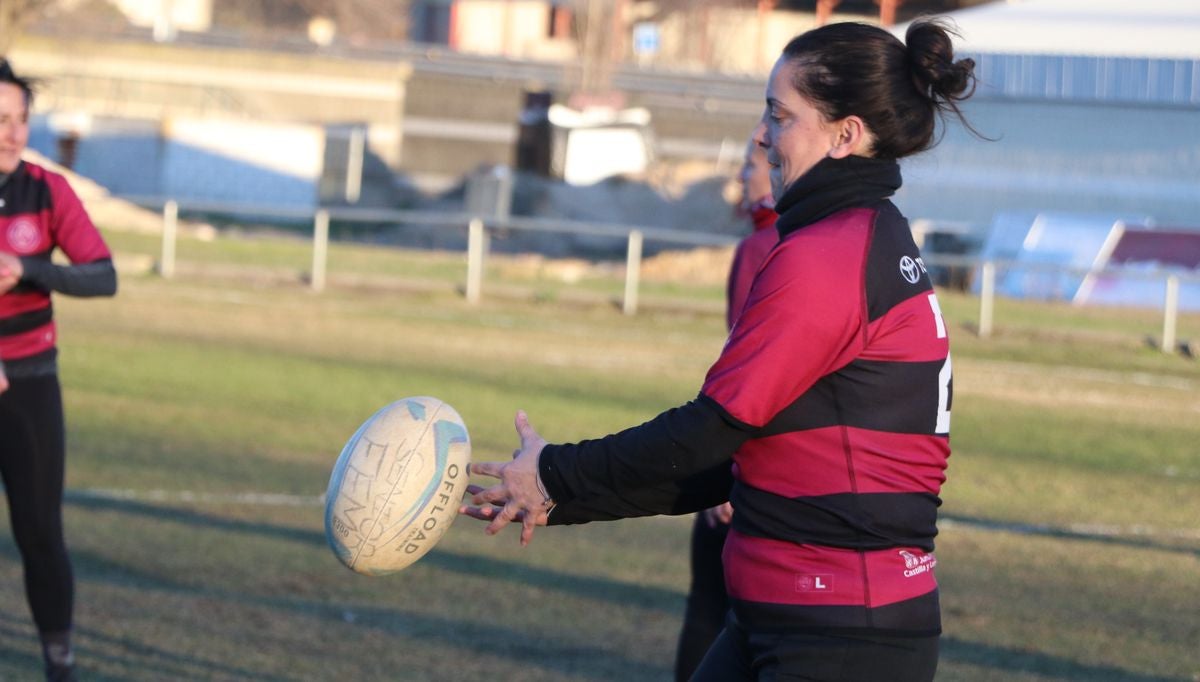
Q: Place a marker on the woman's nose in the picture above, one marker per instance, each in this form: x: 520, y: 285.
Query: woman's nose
x: 760, y: 135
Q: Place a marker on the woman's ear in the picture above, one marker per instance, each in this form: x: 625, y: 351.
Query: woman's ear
x: 852, y: 138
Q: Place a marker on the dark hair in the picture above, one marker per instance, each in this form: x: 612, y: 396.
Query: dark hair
x: 7, y: 76
x: 900, y: 92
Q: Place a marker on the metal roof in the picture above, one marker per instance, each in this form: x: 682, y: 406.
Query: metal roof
x: 1136, y: 51
x: 1165, y: 29
x: 1171, y: 82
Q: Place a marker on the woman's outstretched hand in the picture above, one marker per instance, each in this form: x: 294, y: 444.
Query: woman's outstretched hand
x: 519, y: 496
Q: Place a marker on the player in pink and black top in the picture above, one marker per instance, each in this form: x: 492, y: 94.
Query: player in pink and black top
x: 39, y: 213
x: 831, y: 396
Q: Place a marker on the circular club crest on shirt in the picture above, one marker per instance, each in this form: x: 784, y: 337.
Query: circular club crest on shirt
x: 23, y: 236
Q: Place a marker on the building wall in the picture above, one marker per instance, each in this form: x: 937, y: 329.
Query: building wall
x: 513, y: 28
x: 163, y: 81
x: 1092, y: 134
x: 193, y: 159
x: 728, y: 39
x: 1054, y: 155
x: 242, y: 161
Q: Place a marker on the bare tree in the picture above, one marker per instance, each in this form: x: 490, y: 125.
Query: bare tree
x: 665, y: 8
x: 378, y: 19
x: 15, y: 16
x: 594, y: 22
x: 604, y: 27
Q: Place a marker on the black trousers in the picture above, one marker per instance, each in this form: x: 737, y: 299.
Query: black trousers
x: 739, y: 655
x: 707, y: 602
x: 32, y: 461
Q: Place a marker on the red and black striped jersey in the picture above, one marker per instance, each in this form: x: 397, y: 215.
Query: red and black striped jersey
x: 844, y: 374
x: 39, y: 212
x: 832, y: 397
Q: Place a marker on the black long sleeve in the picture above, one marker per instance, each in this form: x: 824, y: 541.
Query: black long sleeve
x: 692, y: 494
x: 97, y: 278
x: 633, y: 470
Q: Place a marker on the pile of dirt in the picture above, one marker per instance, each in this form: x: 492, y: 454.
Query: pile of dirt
x: 701, y: 207
x: 705, y: 265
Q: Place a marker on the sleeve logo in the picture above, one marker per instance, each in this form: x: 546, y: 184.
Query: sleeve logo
x: 911, y: 269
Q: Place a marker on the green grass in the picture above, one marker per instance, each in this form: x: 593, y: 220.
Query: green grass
x: 221, y: 382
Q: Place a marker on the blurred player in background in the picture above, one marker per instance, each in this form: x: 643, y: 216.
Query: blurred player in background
x: 831, y: 396
x: 39, y: 213
x: 707, y: 602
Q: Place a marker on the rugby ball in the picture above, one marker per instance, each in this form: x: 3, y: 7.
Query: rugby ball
x: 397, y: 485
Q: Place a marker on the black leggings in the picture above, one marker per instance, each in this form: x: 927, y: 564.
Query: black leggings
x: 32, y: 459
x: 707, y: 602
x: 739, y: 655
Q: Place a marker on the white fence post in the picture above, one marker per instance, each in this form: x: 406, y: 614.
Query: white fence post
x: 476, y: 253
x: 354, y: 165
x: 633, y: 269
x: 166, y: 264
x: 987, y: 299
x: 1170, y: 314
x: 320, y: 249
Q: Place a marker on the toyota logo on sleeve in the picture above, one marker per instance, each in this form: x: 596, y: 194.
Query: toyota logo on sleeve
x: 910, y: 270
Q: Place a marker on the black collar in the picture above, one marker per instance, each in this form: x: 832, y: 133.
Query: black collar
x: 835, y: 184
x: 5, y: 177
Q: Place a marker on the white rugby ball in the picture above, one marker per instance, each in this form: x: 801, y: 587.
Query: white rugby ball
x: 397, y: 485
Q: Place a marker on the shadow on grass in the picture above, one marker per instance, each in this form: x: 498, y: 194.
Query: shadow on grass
x: 152, y: 662
x: 19, y: 648
x: 600, y: 589
x: 98, y: 650
x: 1045, y: 666
x: 1049, y: 531
x: 550, y: 654
x: 554, y: 655
x: 347, y: 623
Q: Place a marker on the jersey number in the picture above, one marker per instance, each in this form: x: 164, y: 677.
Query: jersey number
x: 944, y: 376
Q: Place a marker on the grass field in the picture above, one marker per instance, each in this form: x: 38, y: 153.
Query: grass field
x: 205, y: 412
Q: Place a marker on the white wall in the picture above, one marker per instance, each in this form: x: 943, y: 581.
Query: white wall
x: 513, y: 28
x: 242, y: 161
x: 197, y: 159
x: 186, y: 15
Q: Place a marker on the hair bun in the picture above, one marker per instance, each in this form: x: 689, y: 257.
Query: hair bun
x: 951, y: 80
x: 934, y: 69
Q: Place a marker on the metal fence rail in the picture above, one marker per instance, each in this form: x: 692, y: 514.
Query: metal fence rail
x: 990, y: 269
x: 478, y: 239
x: 479, y: 230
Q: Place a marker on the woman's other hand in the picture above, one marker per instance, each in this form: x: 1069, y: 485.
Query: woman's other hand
x: 10, y: 271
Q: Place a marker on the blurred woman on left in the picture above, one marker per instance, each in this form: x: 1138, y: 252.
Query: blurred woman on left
x: 38, y: 214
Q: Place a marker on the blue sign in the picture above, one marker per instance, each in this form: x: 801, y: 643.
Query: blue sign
x: 646, y: 39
